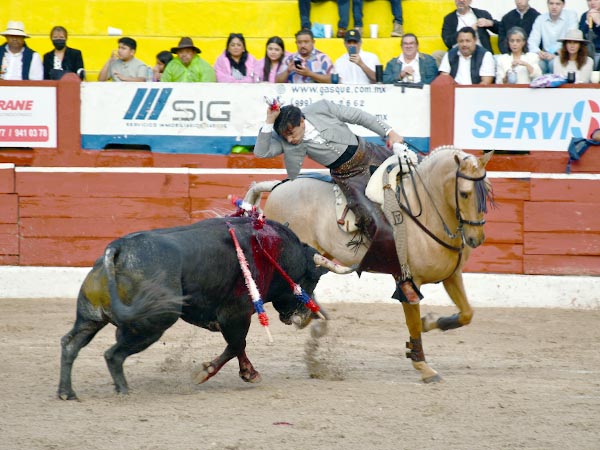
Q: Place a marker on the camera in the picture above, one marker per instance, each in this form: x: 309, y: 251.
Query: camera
x: 352, y: 50
x: 298, y: 63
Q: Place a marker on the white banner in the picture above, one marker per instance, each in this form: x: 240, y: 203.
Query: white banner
x: 27, y: 116
x: 212, y: 117
x: 523, y: 119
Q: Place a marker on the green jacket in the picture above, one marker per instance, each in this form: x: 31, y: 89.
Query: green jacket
x: 198, y: 70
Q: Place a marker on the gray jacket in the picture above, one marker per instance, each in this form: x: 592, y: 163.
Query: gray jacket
x: 330, y: 120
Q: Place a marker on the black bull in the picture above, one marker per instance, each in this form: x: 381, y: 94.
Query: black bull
x: 146, y: 281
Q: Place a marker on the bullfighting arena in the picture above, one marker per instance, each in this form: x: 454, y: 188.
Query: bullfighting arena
x: 515, y: 378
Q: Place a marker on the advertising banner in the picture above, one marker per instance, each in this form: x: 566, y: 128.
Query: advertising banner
x: 524, y: 119
x: 27, y: 116
x: 214, y: 117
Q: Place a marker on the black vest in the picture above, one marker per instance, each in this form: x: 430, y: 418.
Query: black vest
x: 27, y: 57
x: 476, y: 60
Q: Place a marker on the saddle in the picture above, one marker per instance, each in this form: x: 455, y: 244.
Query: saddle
x: 346, y: 219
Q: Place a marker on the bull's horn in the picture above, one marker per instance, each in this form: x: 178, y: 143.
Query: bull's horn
x: 320, y: 260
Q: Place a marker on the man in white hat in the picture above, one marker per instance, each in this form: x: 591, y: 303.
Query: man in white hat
x: 19, y: 62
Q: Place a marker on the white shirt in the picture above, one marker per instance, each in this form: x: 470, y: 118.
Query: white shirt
x: 414, y: 64
x: 467, y: 20
x: 13, y: 65
x: 463, y: 74
x: 351, y: 73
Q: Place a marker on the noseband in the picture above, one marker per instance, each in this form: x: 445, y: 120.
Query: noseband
x: 461, y: 221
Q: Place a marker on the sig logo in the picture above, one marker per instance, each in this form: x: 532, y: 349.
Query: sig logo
x: 148, y: 104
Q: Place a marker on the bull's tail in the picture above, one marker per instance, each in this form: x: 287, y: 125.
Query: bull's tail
x: 257, y: 189
x: 151, y: 298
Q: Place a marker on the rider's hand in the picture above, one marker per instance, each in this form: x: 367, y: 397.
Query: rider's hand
x: 393, y: 137
x: 272, y: 114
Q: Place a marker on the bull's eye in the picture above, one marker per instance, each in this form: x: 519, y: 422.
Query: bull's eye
x: 464, y: 195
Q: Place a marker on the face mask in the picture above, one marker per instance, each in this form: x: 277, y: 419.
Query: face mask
x: 59, y: 44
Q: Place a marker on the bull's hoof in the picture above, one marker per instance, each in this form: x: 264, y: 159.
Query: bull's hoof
x: 433, y: 379
x: 67, y: 395
x: 251, y: 377
x: 203, y: 374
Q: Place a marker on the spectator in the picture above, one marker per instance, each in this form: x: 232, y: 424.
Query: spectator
x: 468, y: 63
x: 235, y: 64
x: 162, y: 59
x: 62, y: 59
x: 19, y: 62
x: 357, y: 13
x: 410, y: 66
x: 589, y: 24
x: 525, y: 65
x: 547, y: 29
x: 522, y: 16
x: 573, y: 57
x: 123, y: 65
x: 307, y: 65
x: 478, y: 19
x: 356, y: 66
x: 188, y: 67
x: 267, y: 68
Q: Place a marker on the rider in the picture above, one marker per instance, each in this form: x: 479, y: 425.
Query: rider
x: 320, y: 131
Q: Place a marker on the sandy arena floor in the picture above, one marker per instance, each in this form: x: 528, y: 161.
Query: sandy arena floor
x: 515, y: 378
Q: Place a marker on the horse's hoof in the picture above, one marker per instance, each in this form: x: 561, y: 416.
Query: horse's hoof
x: 428, y: 322
x: 433, y: 379
x: 203, y: 374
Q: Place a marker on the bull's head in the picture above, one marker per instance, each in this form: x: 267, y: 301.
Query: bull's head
x: 317, y: 266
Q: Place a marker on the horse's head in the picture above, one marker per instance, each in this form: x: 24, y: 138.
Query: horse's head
x: 473, y: 191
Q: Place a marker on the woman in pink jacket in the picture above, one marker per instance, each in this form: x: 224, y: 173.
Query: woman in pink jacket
x: 235, y: 64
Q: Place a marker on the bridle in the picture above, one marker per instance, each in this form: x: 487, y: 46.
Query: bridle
x: 461, y: 221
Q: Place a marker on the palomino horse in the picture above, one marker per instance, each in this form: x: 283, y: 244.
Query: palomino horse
x: 443, y: 206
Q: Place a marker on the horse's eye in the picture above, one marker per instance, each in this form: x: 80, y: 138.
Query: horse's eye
x: 464, y: 195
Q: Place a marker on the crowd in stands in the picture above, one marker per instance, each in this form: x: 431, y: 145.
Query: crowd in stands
x: 531, y: 43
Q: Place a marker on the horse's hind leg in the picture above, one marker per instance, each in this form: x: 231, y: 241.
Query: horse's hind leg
x: 82, y: 333
x: 415, y: 346
x: 456, y: 290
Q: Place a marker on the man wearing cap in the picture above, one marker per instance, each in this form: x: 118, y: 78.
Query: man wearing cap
x: 356, y: 66
x: 123, y: 65
x: 307, y: 65
x: 547, y: 29
x: 19, y: 62
x: 188, y: 67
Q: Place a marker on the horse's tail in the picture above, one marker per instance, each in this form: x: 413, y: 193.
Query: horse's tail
x: 257, y: 189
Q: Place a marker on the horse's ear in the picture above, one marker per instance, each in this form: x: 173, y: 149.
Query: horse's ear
x: 486, y: 158
x: 457, y: 159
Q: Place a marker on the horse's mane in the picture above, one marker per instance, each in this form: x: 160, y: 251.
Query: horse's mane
x: 437, y: 153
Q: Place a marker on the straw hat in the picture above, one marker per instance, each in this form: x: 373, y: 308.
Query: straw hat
x: 15, y: 28
x: 185, y: 42
x: 574, y: 35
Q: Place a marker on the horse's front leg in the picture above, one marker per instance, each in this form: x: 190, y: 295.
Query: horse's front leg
x: 415, y: 346
x: 456, y: 290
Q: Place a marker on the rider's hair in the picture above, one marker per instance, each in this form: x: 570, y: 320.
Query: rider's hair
x: 289, y: 116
